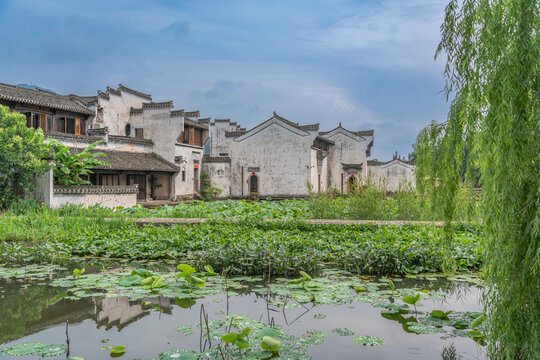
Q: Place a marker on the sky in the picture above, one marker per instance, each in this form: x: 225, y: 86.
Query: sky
x: 367, y: 64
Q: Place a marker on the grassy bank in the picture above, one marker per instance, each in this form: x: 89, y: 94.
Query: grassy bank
x: 242, y: 248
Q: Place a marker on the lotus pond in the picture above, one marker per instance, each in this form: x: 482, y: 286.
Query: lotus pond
x: 99, y: 308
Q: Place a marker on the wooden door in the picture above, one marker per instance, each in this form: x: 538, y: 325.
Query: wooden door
x: 253, y: 184
x: 140, y: 180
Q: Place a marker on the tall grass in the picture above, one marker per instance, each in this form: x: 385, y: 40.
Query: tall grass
x: 374, y: 202
x: 34, y: 222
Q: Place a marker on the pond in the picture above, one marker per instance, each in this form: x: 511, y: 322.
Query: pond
x: 53, y: 311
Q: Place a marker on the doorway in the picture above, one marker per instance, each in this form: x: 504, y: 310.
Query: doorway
x: 253, y: 185
x: 352, y: 184
x: 196, y: 180
x: 140, y: 180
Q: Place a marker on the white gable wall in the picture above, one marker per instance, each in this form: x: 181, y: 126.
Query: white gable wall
x: 282, y: 155
x: 347, y: 149
x: 116, y: 111
x: 393, y: 174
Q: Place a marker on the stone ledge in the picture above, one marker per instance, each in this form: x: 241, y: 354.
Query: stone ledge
x: 193, y: 221
x: 92, y: 189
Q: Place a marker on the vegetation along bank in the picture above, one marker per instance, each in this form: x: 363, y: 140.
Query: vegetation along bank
x: 247, y: 248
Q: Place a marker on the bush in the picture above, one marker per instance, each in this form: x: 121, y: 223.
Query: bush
x: 22, y: 151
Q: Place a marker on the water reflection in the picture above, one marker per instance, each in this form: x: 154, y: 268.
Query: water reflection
x: 32, y: 312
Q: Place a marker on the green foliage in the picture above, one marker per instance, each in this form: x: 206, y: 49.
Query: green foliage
x: 492, y: 49
x: 22, y: 151
x: 208, y: 192
x: 71, y: 167
x: 289, y: 247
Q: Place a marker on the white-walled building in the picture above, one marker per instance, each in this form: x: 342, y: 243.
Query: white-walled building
x: 163, y: 151
x: 280, y: 158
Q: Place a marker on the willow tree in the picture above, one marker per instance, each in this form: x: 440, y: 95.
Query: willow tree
x: 492, y: 51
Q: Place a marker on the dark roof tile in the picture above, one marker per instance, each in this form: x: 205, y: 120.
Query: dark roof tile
x: 71, y: 103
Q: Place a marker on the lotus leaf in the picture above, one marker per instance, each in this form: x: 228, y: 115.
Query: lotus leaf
x: 424, y: 329
x: 439, y: 314
x: 25, y: 348
x: 343, y: 332
x: 185, y: 329
x: 53, y: 350
x: 179, y: 355
x: 368, y: 340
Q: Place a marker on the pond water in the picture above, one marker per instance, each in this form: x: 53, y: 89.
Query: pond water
x: 318, y: 320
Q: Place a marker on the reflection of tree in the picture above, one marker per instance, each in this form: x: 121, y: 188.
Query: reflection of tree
x: 21, y: 306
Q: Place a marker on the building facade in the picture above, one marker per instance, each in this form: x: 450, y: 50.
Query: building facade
x: 163, y: 151
x: 145, y: 141
x: 280, y: 158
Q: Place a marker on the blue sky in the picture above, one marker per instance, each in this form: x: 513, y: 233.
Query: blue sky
x: 367, y: 64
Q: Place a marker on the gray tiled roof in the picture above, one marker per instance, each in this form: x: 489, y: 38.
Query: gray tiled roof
x: 71, y: 103
x: 134, y: 161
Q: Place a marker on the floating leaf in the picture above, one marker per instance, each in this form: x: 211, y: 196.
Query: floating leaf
x: 424, y: 329
x: 25, y: 348
x: 268, y: 331
x: 319, y: 316
x: 179, y: 355
x: 439, y: 314
x: 130, y: 280
x: 368, y: 340
x: 53, y: 350
x: 117, y: 350
x: 185, y: 329
x: 343, y: 332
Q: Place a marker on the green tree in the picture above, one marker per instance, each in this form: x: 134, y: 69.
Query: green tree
x: 71, y: 167
x: 492, y: 50
x: 22, y: 151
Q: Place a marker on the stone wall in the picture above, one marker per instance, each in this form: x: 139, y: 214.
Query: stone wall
x: 104, y: 196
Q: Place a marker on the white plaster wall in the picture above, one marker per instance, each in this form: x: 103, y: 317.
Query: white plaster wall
x: 86, y: 200
x: 283, y: 157
x: 162, y: 129
x: 347, y: 149
x: 44, y: 188
x: 393, y: 174
x: 220, y: 176
x: 314, y: 173
x: 189, y: 155
x: 218, y: 142
x: 116, y: 111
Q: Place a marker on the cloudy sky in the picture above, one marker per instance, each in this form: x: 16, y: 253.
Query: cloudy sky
x: 367, y: 64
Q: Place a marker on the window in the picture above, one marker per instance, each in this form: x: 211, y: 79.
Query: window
x: 70, y: 125
x: 183, y: 174
x: 223, y: 154
x: 139, y: 134
x: 128, y: 130
x: 60, y: 124
x: 109, y: 180
x: 191, y: 136
x: 49, y: 123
